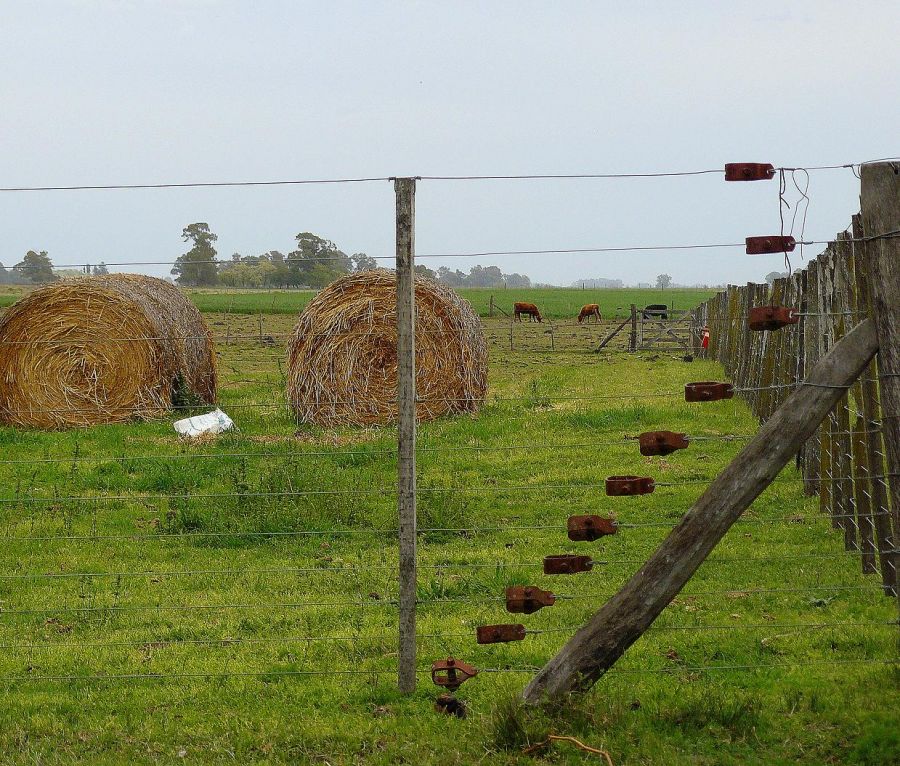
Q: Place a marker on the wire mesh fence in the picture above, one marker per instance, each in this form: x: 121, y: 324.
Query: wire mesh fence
x: 130, y: 555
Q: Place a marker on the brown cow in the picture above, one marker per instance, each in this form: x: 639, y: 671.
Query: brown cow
x: 590, y: 310
x: 529, y: 309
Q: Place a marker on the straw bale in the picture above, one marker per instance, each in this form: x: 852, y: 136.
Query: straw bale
x: 342, y: 354
x: 103, y: 350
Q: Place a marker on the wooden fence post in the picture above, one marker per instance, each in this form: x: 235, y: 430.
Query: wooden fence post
x: 628, y: 614
x: 405, y: 190
x: 228, y: 321
x: 872, y: 466
x: 632, y: 340
x: 880, y: 210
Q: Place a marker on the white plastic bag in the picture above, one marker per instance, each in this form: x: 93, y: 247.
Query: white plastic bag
x: 214, y: 422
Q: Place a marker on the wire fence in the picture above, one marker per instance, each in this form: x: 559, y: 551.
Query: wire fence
x: 845, y: 464
x: 132, y: 556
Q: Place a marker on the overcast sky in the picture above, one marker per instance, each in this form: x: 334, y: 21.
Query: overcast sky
x: 148, y: 91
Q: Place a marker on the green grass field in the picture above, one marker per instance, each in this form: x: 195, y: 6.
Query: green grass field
x: 233, y: 601
x: 555, y: 303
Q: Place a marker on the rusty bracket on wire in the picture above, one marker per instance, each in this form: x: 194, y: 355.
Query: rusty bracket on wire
x: 749, y: 171
x: 527, y: 599
x: 661, y: 442
x: 451, y: 673
x: 499, y: 634
x: 619, y: 486
x: 567, y: 563
x: 707, y: 391
x: 770, y: 244
x: 772, y: 317
x: 590, y: 527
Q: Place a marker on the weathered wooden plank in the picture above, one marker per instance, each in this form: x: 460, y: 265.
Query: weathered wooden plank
x: 842, y: 444
x: 625, y: 617
x: 862, y: 498
x: 612, y: 335
x: 880, y: 210
x: 862, y: 489
x: 874, y: 445
x: 811, y: 356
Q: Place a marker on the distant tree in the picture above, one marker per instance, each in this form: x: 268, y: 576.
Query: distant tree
x: 280, y: 272
x: 316, y: 261
x: 663, y: 281
x: 4, y: 275
x: 36, y: 267
x: 484, y: 276
x: 424, y: 271
x: 773, y: 275
x: 517, y: 280
x: 363, y: 262
x: 100, y: 270
x: 481, y: 276
x: 197, y: 267
x: 449, y: 277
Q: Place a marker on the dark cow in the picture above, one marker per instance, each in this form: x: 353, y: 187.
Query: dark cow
x: 656, y: 311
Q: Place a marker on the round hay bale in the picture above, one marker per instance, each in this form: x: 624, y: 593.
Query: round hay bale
x: 103, y: 350
x: 342, y: 354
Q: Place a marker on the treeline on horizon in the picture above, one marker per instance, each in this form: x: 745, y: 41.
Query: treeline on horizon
x: 314, y: 263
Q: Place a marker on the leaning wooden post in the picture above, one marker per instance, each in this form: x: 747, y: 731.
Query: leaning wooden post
x: 405, y: 189
x: 880, y: 210
x: 625, y: 617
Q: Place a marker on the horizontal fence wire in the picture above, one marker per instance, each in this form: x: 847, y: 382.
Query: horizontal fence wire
x: 388, y: 532
x: 385, y: 491
x: 369, y: 179
x: 228, y: 641
x: 485, y: 253
x: 349, y: 569
x: 421, y: 671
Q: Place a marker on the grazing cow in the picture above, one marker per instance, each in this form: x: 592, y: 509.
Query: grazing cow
x: 529, y: 309
x: 656, y: 311
x: 590, y: 310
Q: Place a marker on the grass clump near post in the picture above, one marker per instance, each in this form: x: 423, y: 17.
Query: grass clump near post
x: 342, y: 354
x: 105, y: 349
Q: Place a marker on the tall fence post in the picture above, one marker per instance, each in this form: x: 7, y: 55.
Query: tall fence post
x: 880, y: 210
x: 405, y: 190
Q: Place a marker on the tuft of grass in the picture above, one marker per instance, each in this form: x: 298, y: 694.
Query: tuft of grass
x: 878, y: 745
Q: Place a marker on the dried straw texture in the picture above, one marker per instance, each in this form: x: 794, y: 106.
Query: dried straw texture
x: 342, y: 355
x: 103, y: 350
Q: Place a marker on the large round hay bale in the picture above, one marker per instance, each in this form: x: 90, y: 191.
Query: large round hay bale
x: 103, y: 350
x: 342, y: 354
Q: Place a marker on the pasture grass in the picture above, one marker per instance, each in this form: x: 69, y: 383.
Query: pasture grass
x: 555, y: 303
x: 207, y: 574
